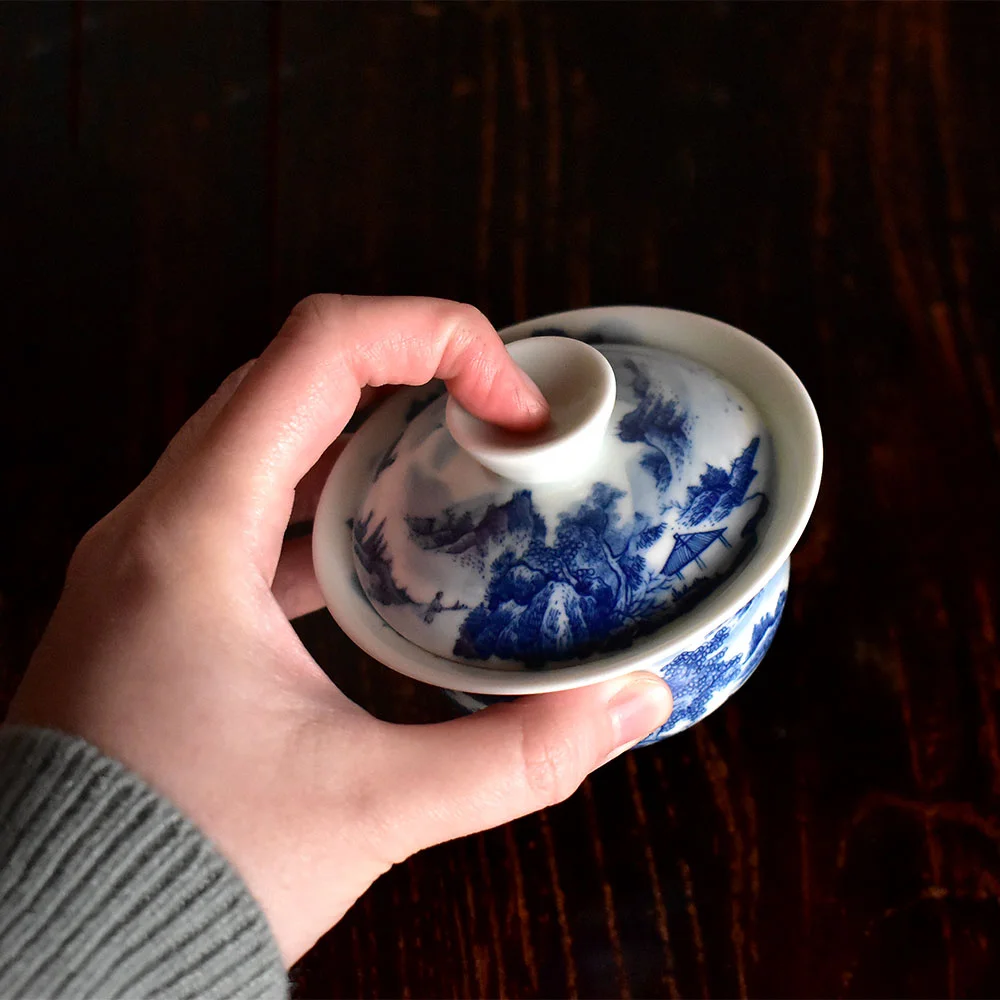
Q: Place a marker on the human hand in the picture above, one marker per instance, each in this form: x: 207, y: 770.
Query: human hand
x: 171, y: 648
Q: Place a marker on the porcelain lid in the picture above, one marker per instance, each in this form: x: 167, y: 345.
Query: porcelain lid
x: 643, y: 494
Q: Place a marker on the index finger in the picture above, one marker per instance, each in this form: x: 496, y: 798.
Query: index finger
x: 305, y: 386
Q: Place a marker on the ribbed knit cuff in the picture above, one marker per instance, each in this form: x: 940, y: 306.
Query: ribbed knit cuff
x: 106, y: 890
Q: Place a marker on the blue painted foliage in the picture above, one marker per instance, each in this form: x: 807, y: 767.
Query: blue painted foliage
x: 659, y: 423
x: 708, y: 671
x: 718, y: 493
x: 372, y: 551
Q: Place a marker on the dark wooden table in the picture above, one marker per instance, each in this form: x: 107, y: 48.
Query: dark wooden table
x: 174, y: 177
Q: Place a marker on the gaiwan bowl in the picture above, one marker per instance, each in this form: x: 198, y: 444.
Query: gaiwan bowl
x: 648, y: 527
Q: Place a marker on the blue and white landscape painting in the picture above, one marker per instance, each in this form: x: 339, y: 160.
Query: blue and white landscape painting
x: 543, y: 578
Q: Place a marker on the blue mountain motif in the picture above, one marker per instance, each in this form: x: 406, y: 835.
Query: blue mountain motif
x: 761, y: 630
x: 456, y: 533
x: 370, y: 548
x: 714, y: 672
x: 591, y: 589
x: 660, y: 423
x: 718, y: 493
x: 548, y: 602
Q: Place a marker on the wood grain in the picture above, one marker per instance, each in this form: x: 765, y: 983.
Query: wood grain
x: 825, y: 176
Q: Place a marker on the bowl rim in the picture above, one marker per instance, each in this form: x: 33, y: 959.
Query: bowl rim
x: 787, y: 411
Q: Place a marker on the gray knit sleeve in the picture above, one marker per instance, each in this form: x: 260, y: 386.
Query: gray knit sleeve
x: 106, y: 890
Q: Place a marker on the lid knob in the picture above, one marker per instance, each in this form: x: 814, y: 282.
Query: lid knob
x: 579, y: 385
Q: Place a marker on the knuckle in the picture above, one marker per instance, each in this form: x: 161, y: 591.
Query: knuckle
x: 149, y: 538
x: 141, y: 551
x: 318, y: 306
x: 462, y: 324
x: 129, y: 549
x: 551, y: 768
x: 462, y: 344
x: 466, y: 315
x: 306, y: 313
x: 91, y: 548
x: 312, y: 305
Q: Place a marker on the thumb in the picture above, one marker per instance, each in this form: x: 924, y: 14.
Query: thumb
x: 508, y: 760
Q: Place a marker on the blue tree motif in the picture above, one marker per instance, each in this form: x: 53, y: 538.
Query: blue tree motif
x: 592, y: 589
x: 372, y: 551
x: 658, y: 422
x: 547, y: 601
x: 704, y: 673
x: 718, y: 493
x: 761, y: 629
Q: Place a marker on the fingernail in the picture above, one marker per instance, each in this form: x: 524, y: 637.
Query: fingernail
x: 636, y: 709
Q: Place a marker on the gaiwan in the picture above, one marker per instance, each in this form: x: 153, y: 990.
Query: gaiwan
x: 648, y: 526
